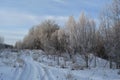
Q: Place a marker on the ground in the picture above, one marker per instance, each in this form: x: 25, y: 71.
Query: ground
x: 27, y: 65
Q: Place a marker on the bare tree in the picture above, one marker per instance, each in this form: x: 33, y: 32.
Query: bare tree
x: 86, y: 37
x: 45, y: 31
x: 110, y: 31
x: 82, y: 36
x: 18, y: 45
x: 39, y: 36
x: 58, y: 42
x: 115, y: 17
x: 71, y: 30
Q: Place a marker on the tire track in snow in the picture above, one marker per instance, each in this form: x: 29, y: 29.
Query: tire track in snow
x: 41, y: 73
x: 31, y: 71
x: 31, y: 75
x: 26, y: 72
x: 47, y: 72
x: 35, y: 71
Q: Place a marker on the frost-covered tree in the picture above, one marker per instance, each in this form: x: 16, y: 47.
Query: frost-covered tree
x: 110, y: 31
x: 40, y: 35
x: 115, y: 19
x: 86, y: 32
x: 82, y: 35
x: 71, y: 27
x: 18, y: 45
x: 59, y: 42
x: 71, y: 31
x: 45, y: 31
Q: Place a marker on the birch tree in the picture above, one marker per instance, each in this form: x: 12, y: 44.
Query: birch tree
x: 86, y: 37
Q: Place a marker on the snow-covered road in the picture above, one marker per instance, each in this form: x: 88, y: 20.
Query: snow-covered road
x: 41, y: 70
x: 34, y: 71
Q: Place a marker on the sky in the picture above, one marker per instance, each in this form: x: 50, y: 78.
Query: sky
x: 18, y: 16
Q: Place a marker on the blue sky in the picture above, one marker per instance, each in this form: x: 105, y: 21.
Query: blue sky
x: 18, y: 16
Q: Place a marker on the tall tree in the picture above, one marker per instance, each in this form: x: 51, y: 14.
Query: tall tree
x: 110, y: 31
x: 86, y: 36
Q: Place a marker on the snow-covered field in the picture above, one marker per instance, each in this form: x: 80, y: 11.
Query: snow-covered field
x: 35, y: 65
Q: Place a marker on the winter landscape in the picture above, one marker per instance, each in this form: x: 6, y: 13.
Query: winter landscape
x: 59, y: 44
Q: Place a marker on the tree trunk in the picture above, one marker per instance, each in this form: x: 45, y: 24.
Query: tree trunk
x: 86, y: 60
x: 110, y: 61
x: 95, y: 62
x: 58, y: 60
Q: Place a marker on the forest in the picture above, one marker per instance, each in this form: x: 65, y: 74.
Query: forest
x: 84, y: 36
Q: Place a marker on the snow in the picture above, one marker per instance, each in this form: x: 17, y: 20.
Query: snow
x: 42, y: 67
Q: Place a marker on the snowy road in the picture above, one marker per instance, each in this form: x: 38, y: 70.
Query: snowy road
x: 34, y: 71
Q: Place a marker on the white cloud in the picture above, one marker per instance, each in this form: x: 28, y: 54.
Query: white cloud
x: 59, y: 19
x: 60, y: 1
x: 16, y: 32
x: 10, y: 18
x: 14, y: 19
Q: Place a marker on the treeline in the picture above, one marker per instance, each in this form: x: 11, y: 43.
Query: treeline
x: 82, y: 36
x: 3, y: 45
